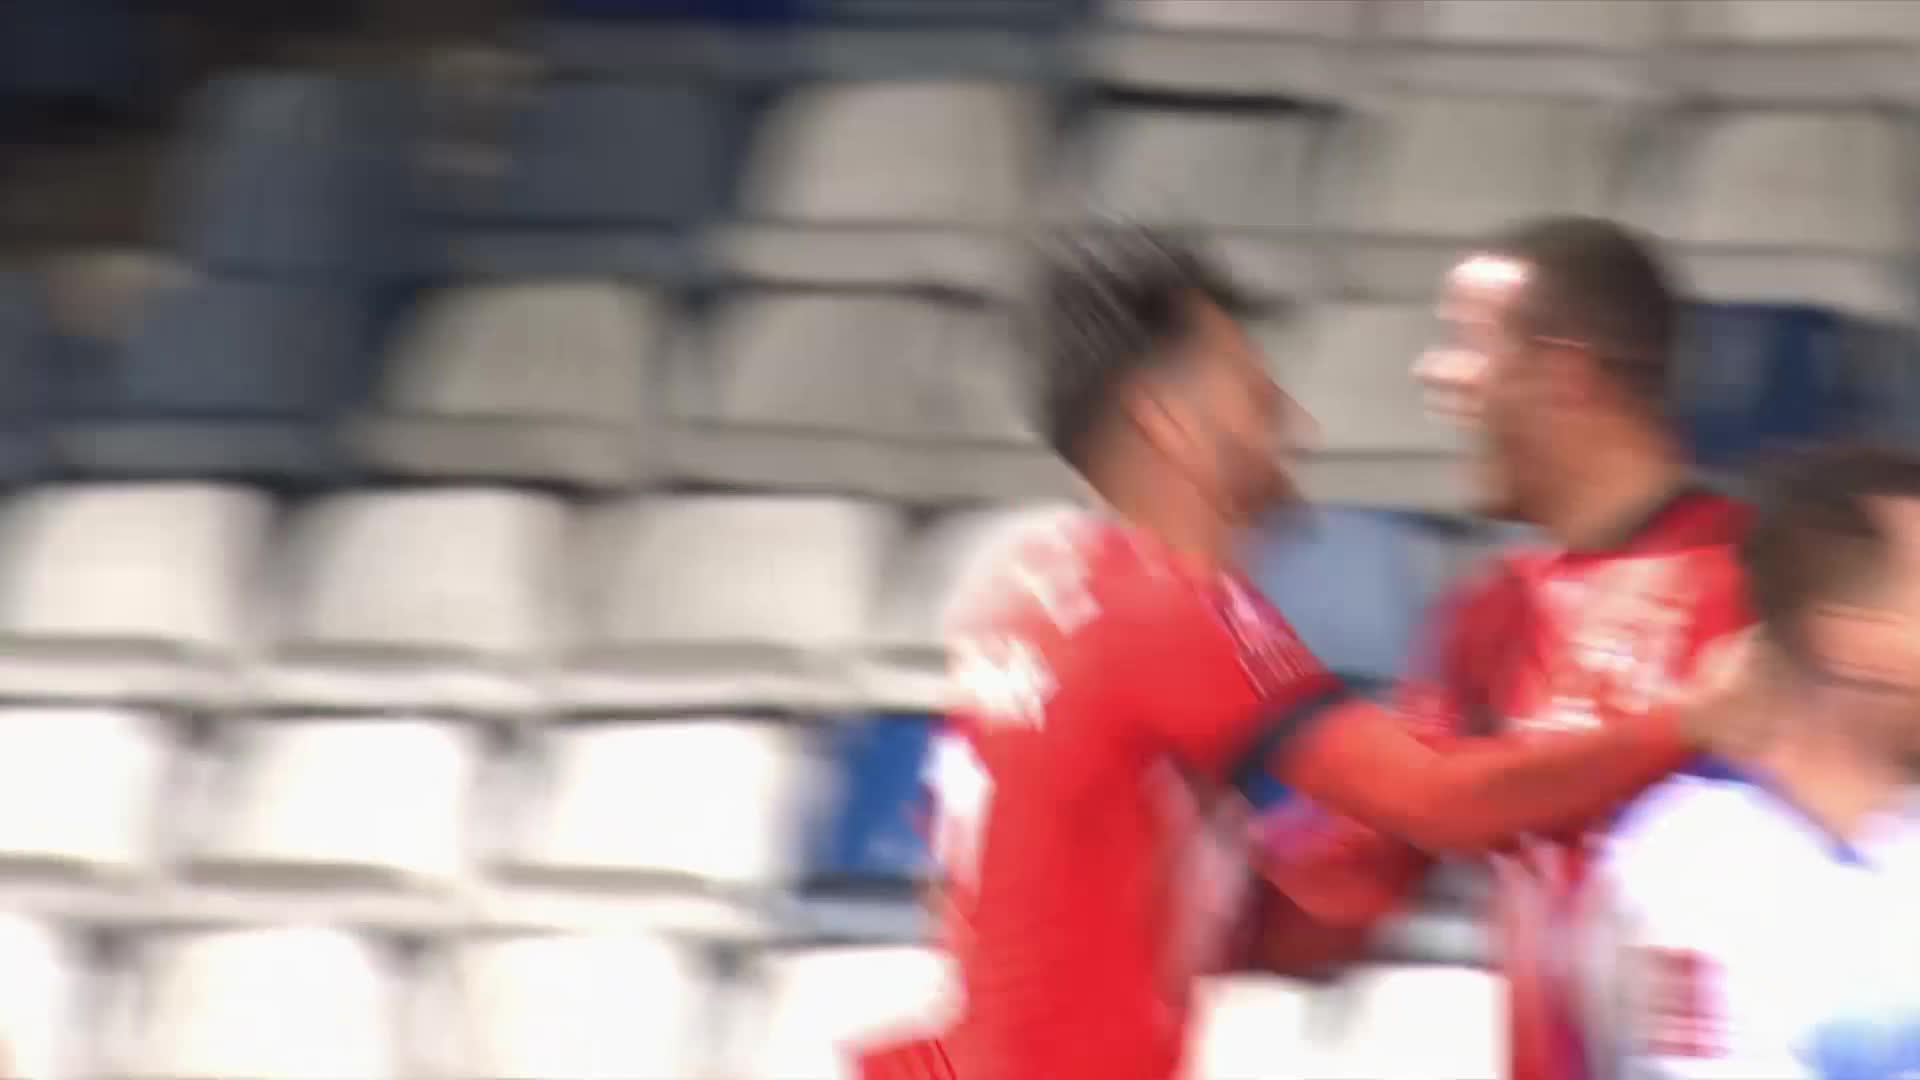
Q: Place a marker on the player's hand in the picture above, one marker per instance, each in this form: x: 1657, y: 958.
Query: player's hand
x: 1720, y: 710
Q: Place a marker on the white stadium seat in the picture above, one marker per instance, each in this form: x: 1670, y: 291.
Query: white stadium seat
x: 266, y: 1004
x: 127, y: 592
x: 906, y: 662
x: 725, y: 601
x: 1415, y: 1023
x: 889, y: 182
x: 530, y: 380
x: 379, y: 798
x: 1790, y: 205
x: 1265, y: 47
x: 442, y: 600
x: 1350, y: 366
x: 1248, y: 1026
x: 1417, y: 178
x: 821, y: 1003
x: 81, y: 789
x: 720, y: 799
x: 1771, y: 52
x: 575, y: 1007
x: 1539, y: 23
x: 43, y: 984
x: 978, y: 412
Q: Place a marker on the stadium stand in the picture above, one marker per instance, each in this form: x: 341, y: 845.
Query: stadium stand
x: 478, y: 562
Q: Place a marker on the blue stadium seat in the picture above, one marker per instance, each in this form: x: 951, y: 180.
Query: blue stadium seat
x: 592, y: 176
x: 221, y: 377
x: 1768, y: 375
x: 292, y: 174
x: 873, y: 839
x: 1354, y: 584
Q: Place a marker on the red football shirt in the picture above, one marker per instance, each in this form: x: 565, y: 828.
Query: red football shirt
x: 1545, y: 642
x: 1106, y: 688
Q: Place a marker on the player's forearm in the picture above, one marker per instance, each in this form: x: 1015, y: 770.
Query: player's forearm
x: 1483, y: 792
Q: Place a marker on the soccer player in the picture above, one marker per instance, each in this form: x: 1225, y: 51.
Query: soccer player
x: 1117, y: 676
x: 1769, y: 924
x: 1561, y: 344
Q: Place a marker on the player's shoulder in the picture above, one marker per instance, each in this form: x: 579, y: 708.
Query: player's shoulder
x: 1675, y: 833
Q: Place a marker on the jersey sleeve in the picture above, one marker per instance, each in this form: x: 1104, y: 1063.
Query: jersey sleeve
x: 1672, y: 993
x: 1348, y: 873
x: 1217, y: 684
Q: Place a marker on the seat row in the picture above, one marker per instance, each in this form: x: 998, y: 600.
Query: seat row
x: 882, y: 183
x: 306, y: 1003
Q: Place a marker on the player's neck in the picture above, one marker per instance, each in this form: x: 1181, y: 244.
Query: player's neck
x: 1838, y: 781
x: 1623, y: 481
x: 1177, y: 517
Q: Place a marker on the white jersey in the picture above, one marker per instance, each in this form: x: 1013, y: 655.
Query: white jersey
x: 1746, y: 942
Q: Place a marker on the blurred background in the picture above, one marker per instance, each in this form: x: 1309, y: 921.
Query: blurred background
x: 483, y: 477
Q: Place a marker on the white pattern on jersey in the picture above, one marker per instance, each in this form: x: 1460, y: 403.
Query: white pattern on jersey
x: 1747, y: 943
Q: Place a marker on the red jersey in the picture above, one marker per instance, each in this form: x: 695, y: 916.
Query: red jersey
x: 1547, y: 642
x: 1106, y: 689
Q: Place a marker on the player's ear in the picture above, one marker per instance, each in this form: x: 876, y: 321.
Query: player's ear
x: 1152, y: 406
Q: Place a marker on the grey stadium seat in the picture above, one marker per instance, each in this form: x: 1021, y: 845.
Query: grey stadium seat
x: 1580, y: 48
x: 888, y: 184
x: 1290, y: 48
x: 1808, y: 51
x: 1423, y: 175
x: 527, y: 380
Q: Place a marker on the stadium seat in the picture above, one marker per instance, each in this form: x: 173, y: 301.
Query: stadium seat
x: 588, y: 177
x: 537, y: 380
x: 1293, y: 48
x: 906, y: 638
x: 222, y: 377
x: 872, y: 840
x: 1596, y: 49
x: 576, y: 1007
x: 1413, y: 180
x: 1416, y: 1023
x: 906, y: 39
x: 43, y: 976
x: 293, y: 1003
x: 380, y: 611
x: 1761, y: 214
x: 291, y: 173
x: 807, y: 390
x: 888, y: 184
x: 1764, y: 377
x: 127, y: 594
x: 979, y: 421
x: 726, y: 799
x: 1771, y: 51
x: 725, y: 601
x: 381, y: 801
x: 821, y: 1004
x: 1241, y: 175
x: 1250, y: 1026
x: 1366, y: 632
x: 1350, y: 366
x: 894, y: 396
x: 80, y: 791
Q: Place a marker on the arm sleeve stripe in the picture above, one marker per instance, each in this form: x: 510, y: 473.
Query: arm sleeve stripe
x: 1280, y: 727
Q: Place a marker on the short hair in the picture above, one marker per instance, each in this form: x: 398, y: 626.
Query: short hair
x: 1111, y: 304
x: 1816, y: 538
x: 1597, y: 282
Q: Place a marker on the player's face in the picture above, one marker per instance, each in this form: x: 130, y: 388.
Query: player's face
x: 1486, y: 377
x: 1241, y: 419
x: 1875, y: 644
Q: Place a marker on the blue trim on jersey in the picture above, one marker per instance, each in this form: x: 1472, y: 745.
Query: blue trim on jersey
x: 1842, y: 849
x: 1866, y: 1048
